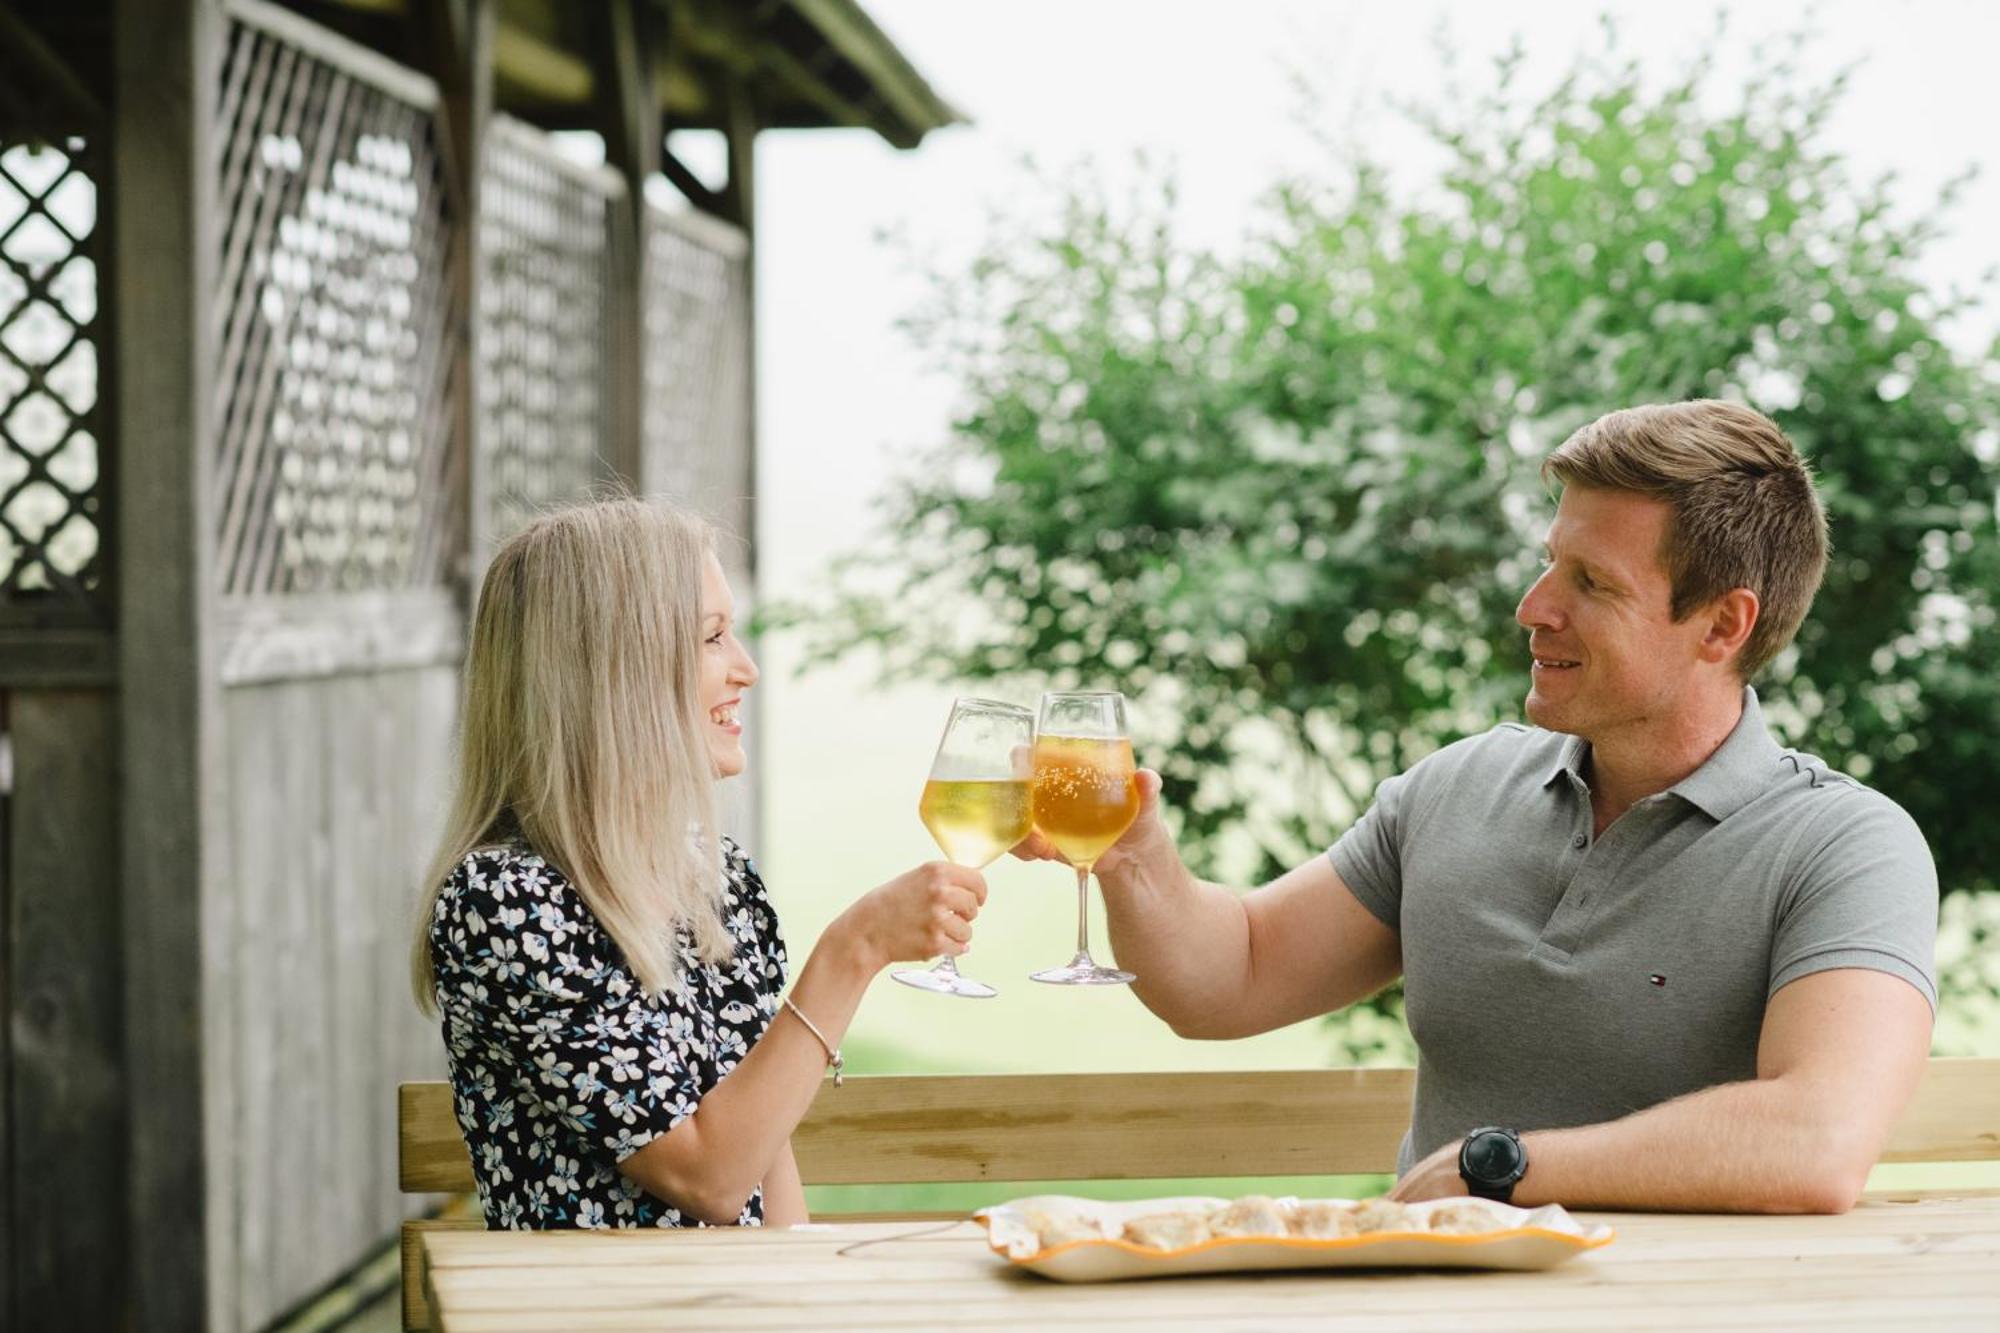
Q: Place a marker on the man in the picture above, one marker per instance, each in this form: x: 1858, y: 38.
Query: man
x: 1654, y: 959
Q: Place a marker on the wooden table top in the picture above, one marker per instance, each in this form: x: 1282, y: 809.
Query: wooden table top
x: 1933, y: 1265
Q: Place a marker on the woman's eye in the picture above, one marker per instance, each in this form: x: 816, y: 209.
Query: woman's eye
x: 716, y: 639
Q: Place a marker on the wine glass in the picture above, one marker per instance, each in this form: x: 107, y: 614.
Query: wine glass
x: 1085, y: 799
x: 976, y: 805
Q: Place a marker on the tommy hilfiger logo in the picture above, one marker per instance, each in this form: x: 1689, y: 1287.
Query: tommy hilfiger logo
x: 1659, y: 980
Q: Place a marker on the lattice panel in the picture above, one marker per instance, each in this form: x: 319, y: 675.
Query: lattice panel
x: 51, y: 494
x: 544, y: 232
x: 334, y: 454
x: 697, y: 420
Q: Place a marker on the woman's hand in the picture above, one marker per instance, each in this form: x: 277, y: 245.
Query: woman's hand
x: 921, y: 913
x: 1146, y: 834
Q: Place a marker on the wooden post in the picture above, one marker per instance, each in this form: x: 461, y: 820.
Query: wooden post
x: 167, y: 56
x: 628, y: 109
x: 455, y: 39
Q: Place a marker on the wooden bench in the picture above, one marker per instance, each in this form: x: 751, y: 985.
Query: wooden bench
x: 924, y: 1130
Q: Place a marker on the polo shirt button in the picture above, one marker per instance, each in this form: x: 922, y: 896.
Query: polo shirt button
x: 1578, y: 841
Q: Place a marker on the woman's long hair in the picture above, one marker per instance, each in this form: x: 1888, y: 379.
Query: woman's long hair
x: 580, y: 729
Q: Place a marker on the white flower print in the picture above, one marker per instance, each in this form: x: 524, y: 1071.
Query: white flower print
x: 561, y: 1067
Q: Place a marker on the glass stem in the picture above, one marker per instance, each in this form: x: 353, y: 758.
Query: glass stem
x: 946, y: 967
x: 1083, y: 912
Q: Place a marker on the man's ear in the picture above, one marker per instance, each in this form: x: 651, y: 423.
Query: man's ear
x: 1730, y: 619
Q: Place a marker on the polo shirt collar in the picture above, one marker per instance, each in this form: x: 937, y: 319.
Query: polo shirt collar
x: 1738, y: 770
x: 1726, y: 780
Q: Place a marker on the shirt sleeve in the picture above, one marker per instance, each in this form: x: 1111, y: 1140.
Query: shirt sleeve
x: 552, y: 994
x: 1865, y: 895
x: 1369, y: 856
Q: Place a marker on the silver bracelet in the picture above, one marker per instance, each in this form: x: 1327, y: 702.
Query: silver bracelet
x: 833, y: 1060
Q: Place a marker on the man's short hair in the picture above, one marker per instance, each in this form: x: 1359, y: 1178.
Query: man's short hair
x: 1744, y: 513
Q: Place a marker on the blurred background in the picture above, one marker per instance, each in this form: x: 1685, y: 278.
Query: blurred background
x: 1788, y: 207
x: 1205, y: 353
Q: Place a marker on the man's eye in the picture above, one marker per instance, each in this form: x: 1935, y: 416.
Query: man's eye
x: 1585, y: 582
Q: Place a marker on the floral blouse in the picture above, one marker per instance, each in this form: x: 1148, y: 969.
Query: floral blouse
x: 560, y: 1065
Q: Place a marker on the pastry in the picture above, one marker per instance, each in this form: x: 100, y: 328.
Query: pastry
x: 1167, y: 1231
x: 1252, y: 1215
x: 1055, y: 1229
x: 1464, y: 1219
x: 1321, y: 1221
x: 1385, y: 1215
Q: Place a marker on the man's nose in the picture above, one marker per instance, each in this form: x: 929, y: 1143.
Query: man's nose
x: 1538, y: 608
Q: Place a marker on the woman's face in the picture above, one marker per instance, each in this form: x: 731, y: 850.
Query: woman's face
x: 726, y: 671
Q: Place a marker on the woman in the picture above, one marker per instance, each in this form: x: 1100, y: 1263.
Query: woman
x: 606, y: 965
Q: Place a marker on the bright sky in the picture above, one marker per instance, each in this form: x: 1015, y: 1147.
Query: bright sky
x: 842, y: 396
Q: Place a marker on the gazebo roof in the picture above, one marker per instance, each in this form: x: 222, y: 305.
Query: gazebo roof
x: 810, y: 63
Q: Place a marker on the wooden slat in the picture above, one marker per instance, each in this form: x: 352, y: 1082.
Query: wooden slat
x: 63, y: 1054
x: 1148, y: 1126
x: 1955, y: 1116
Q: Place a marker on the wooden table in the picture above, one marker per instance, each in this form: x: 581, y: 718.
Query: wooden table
x: 1929, y: 1265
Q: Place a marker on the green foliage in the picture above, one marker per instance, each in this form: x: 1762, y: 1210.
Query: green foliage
x: 1289, y: 497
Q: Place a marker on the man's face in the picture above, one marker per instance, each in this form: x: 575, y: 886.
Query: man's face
x: 1607, y: 654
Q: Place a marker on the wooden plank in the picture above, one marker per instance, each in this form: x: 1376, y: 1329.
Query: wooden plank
x: 64, y: 1072
x: 1955, y: 1116
x: 344, y: 54
x: 1145, y: 1126
x: 161, y: 254
x: 56, y: 658
x: 290, y: 637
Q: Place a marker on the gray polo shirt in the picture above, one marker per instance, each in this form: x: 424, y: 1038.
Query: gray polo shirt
x: 1554, y: 979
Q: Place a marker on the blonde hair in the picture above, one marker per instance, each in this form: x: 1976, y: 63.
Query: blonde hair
x: 1744, y: 513
x: 579, y: 729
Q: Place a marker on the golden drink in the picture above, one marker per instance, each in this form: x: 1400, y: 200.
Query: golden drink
x: 976, y: 821
x: 1085, y: 797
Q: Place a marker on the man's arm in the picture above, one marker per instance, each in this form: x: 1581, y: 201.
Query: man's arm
x: 1838, y: 1060
x: 1215, y: 964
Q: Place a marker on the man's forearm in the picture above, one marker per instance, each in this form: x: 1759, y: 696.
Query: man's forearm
x: 1188, y: 942
x: 1763, y: 1146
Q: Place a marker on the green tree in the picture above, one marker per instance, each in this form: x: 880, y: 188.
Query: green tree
x: 1289, y: 497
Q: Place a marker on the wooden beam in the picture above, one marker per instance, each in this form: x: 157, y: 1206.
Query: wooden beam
x: 628, y: 109
x: 739, y: 202
x: 457, y: 39
x: 906, y: 97
x: 691, y: 186
x: 178, y: 1253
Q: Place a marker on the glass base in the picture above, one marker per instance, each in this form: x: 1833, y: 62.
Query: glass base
x: 944, y: 979
x: 1082, y: 971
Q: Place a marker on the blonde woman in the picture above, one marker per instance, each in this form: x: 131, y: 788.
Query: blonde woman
x: 606, y: 966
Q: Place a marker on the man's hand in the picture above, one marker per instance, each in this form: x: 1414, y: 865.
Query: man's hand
x: 1436, y: 1177
x: 1148, y: 834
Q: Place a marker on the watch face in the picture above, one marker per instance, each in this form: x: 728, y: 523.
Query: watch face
x: 1493, y: 1157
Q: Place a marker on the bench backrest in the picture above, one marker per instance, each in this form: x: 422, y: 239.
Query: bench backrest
x: 926, y: 1129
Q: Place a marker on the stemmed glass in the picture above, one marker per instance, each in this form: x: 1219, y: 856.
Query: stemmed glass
x: 976, y: 805
x: 1085, y: 799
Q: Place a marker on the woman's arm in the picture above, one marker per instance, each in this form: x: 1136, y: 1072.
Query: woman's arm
x: 709, y: 1164
x: 784, y: 1195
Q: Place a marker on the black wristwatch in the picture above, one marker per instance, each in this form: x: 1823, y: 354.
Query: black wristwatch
x: 1490, y: 1161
